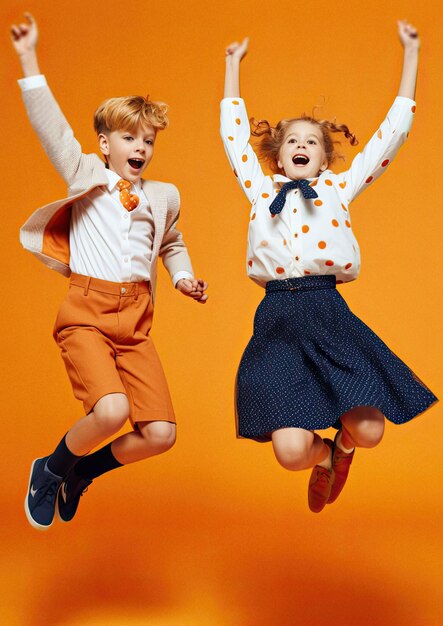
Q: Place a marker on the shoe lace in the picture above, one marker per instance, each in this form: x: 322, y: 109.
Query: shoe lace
x: 48, y: 491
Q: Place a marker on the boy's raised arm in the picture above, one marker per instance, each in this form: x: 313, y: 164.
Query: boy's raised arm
x: 48, y: 121
x: 24, y: 39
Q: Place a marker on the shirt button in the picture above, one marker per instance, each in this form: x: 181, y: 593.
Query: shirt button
x: 123, y: 290
x: 297, y: 258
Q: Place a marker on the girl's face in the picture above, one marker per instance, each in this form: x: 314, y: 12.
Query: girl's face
x: 302, y: 154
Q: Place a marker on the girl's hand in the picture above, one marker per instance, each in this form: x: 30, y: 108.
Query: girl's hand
x: 408, y: 35
x: 24, y: 36
x: 237, y: 50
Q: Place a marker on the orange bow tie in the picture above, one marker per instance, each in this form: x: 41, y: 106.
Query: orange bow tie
x: 129, y: 200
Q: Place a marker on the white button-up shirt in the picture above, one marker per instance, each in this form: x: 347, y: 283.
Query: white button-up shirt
x: 106, y: 240
x: 308, y: 236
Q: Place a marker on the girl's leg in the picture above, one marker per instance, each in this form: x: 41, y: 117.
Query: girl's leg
x: 363, y: 427
x: 298, y: 449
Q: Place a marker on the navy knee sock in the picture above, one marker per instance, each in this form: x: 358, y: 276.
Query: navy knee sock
x: 62, y: 459
x: 97, y: 463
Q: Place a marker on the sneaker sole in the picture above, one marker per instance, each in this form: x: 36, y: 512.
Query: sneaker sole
x: 31, y: 520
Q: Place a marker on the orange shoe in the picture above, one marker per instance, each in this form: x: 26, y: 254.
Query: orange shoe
x: 320, y: 484
x: 341, y: 462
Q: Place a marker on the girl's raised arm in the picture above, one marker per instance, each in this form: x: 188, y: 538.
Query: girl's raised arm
x: 411, y: 43
x: 235, y: 52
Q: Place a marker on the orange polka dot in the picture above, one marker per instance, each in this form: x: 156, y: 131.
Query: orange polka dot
x: 348, y: 224
x: 277, y: 191
x: 329, y: 263
x: 334, y: 223
x: 244, y: 158
x: 305, y: 228
x: 250, y: 263
x: 295, y: 234
x: 328, y: 182
x: 322, y: 245
x: 285, y: 243
x: 342, y: 185
x: 263, y: 243
x: 248, y: 183
x: 307, y: 273
x: 348, y: 265
x: 343, y: 207
x: 235, y: 102
x: 379, y: 134
x: 314, y: 182
x: 238, y: 121
x: 369, y: 179
x: 294, y: 210
x: 265, y: 195
x: 413, y: 108
x: 385, y: 162
x: 253, y: 216
x: 280, y: 270
x: 231, y: 138
x: 318, y: 202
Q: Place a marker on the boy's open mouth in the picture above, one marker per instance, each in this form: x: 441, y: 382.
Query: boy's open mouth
x: 300, y: 159
x: 136, y: 163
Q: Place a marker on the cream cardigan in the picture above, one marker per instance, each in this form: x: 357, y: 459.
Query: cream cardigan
x: 46, y: 232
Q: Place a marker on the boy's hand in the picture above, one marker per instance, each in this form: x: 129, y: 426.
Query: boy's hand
x: 408, y: 35
x: 194, y: 288
x: 237, y: 50
x: 24, y: 36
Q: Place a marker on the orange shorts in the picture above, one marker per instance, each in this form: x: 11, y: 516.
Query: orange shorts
x: 102, y: 329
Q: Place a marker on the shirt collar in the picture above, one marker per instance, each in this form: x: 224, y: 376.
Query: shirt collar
x: 279, y: 178
x: 113, y: 179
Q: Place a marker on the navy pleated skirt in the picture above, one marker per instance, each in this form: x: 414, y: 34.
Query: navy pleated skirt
x: 310, y: 360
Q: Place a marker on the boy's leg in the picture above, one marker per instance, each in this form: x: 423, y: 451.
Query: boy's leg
x: 47, y: 474
x: 150, y: 439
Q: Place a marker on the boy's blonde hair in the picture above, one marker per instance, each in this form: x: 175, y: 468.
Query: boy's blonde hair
x: 273, y: 138
x: 127, y: 113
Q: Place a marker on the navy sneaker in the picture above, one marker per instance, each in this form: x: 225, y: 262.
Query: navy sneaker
x: 72, y: 489
x: 42, y: 493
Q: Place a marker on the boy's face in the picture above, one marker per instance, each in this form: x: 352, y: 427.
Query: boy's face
x: 128, y: 154
x: 302, y: 154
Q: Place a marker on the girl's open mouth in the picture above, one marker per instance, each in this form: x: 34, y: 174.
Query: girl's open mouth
x: 300, y: 159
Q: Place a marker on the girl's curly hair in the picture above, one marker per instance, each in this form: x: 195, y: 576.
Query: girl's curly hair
x: 273, y: 137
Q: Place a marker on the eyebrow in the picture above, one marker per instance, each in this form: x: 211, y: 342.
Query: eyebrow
x: 310, y: 135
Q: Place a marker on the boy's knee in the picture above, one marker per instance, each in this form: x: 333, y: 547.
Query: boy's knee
x: 111, y: 412
x: 160, y: 436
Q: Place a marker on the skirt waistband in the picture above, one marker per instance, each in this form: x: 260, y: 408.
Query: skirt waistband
x: 302, y: 284
x: 109, y: 287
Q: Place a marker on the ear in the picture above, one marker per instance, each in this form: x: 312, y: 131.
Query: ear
x: 103, y: 142
x: 280, y: 165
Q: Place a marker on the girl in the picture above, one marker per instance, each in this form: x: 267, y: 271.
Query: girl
x: 312, y: 364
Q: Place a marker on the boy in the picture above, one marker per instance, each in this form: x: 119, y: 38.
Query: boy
x: 107, y: 235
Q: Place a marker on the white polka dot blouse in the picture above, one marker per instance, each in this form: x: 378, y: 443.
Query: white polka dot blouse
x: 309, y: 236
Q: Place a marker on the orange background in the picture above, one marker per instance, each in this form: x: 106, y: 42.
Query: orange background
x: 215, y: 532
